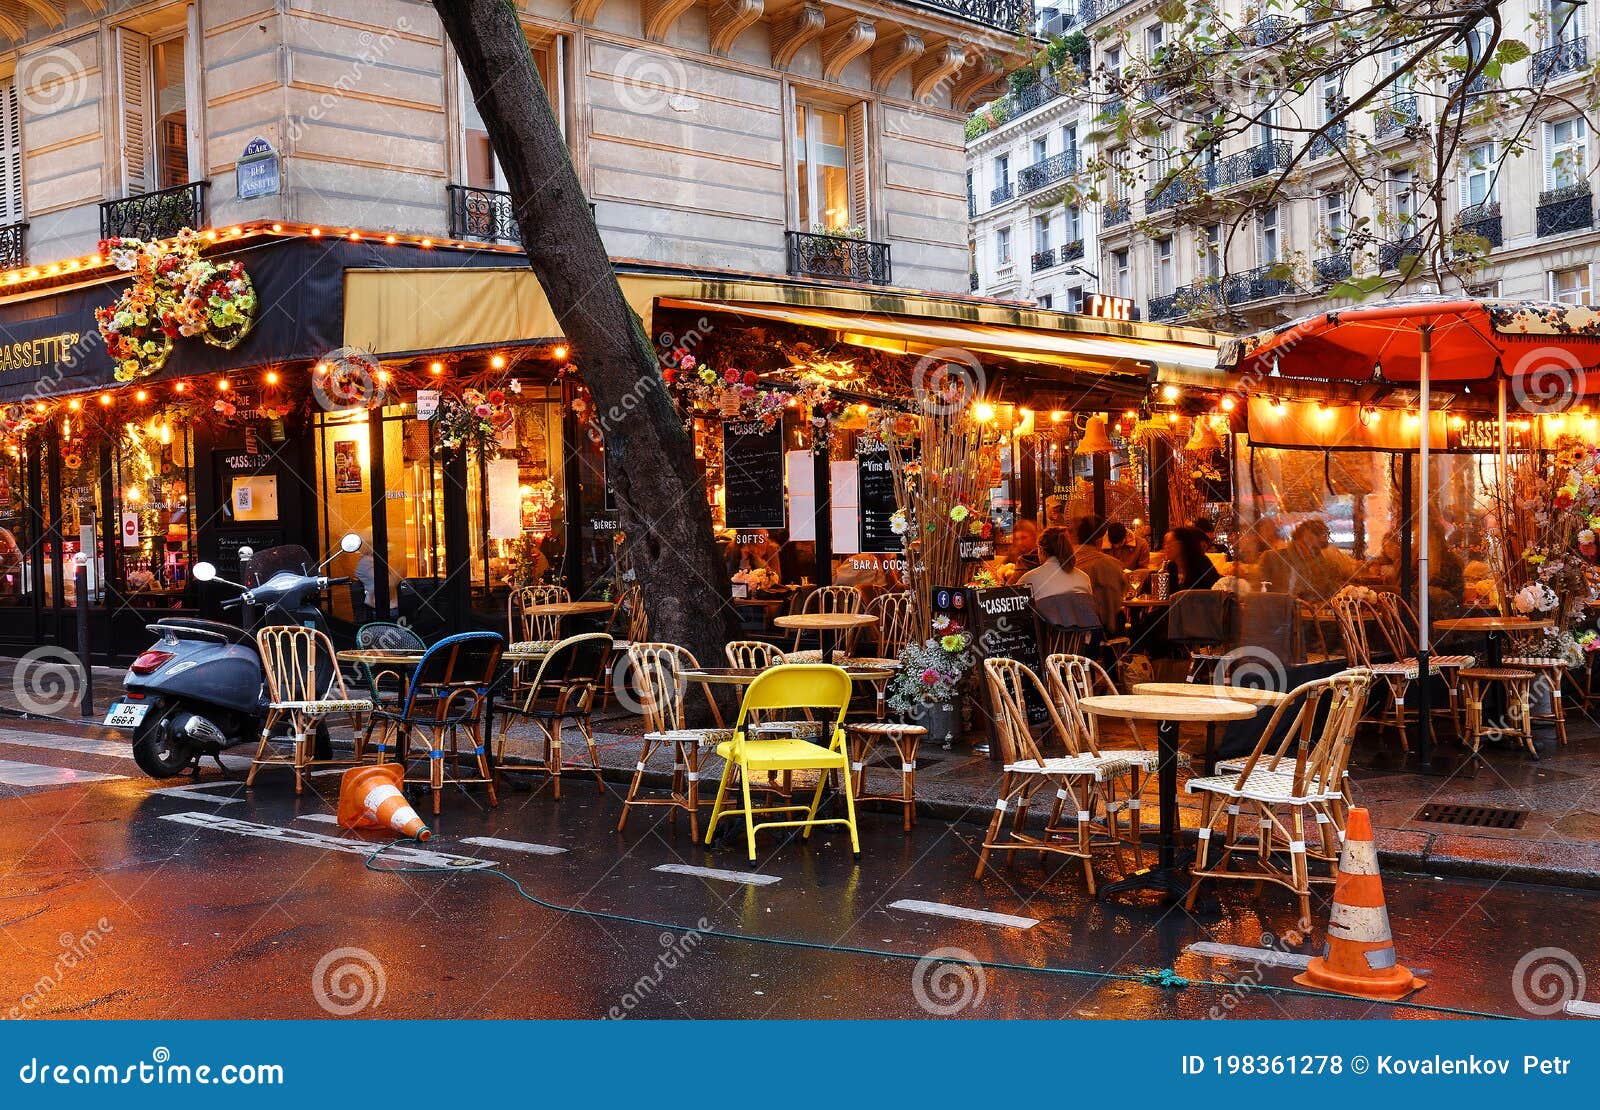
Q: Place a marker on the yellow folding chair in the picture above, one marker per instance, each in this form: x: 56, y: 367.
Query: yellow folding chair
x: 816, y: 686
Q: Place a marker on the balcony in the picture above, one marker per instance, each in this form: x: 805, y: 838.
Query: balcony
x: 1118, y: 210
x: 1473, y: 88
x: 1395, y: 116
x: 1267, y: 31
x: 972, y: 281
x: 158, y: 215
x: 1072, y: 251
x: 1482, y: 221
x: 1110, y: 108
x: 1256, y: 162
x: 1043, y: 260
x: 13, y: 249
x: 838, y: 256
x: 1564, y: 57
x: 1000, y: 194
x: 1330, y: 140
x: 1057, y: 167
x: 482, y: 214
x: 1007, y: 15
x: 1331, y: 269
x: 1392, y: 255
x: 1091, y: 10
x: 1029, y: 97
x: 1214, y: 295
x: 1567, y: 209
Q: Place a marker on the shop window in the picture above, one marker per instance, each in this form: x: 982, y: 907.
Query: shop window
x: 154, y: 525
x: 17, y: 581
x: 153, y: 87
x: 830, y: 161
x: 480, y: 168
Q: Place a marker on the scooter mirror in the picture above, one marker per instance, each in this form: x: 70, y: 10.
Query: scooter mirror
x: 350, y: 542
x: 203, y: 572
x: 246, y: 553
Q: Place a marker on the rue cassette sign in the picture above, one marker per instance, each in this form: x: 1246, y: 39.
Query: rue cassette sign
x: 28, y: 359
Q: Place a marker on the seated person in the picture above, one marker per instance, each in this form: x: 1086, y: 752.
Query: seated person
x: 1129, y: 550
x: 1108, y: 583
x: 1058, y: 574
x: 1310, y: 566
x: 1187, y: 567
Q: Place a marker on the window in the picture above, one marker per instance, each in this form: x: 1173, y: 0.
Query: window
x: 1566, y: 144
x: 1566, y: 20
x: 1163, y: 253
x: 831, y: 168
x: 480, y: 168
x: 1335, y: 217
x: 11, y: 205
x: 1069, y: 139
x: 1155, y: 37
x: 1002, y: 170
x: 1119, y: 274
x: 1046, y: 301
x: 1074, y: 299
x: 1002, y: 246
x: 1211, y: 251
x: 1332, y: 99
x: 153, y: 86
x: 1403, y: 200
x: 1397, y: 65
x: 1041, y: 149
x: 1571, y: 286
x: 1074, y: 223
x: 1479, y: 171
x: 1269, y: 249
x: 1266, y: 116
x: 1041, y: 233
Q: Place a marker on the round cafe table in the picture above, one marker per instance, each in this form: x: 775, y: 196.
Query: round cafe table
x: 1494, y: 629
x: 827, y: 626
x: 1169, y: 712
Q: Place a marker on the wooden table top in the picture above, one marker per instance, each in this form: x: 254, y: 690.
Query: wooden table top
x: 1206, y: 690
x: 1146, y: 602
x: 381, y: 656
x: 825, y: 622
x: 1491, y: 624
x: 569, y: 608
x: 744, y: 676
x: 1157, y: 707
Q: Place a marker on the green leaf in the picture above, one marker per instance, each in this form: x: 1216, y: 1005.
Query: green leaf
x: 1359, y: 289
x: 1511, y: 50
x: 1173, y: 11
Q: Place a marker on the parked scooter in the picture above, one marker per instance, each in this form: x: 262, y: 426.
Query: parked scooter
x: 200, y: 687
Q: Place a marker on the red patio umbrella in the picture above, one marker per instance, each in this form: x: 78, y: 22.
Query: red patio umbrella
x: 1546, y: 353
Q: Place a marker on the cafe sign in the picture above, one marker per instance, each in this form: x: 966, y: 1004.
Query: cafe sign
x: 39, y: 354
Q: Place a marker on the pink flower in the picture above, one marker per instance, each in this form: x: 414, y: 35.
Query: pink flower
x: 484, y: 411
x: 930, y: 677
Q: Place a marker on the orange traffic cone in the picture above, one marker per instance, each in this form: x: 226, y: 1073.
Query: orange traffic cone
x: 1359, y: 958
x: 370, y: 797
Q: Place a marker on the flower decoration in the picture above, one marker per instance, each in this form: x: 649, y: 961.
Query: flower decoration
x: 473, y: 421
x: 931, y: 672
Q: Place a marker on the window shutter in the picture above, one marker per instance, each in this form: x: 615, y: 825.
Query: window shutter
x: 11, y: 202
x: 1549, y: 157
x: 133, y: 77
x: 856, y: 148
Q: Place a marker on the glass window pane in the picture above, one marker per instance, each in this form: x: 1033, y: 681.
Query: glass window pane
x: 172, y: 118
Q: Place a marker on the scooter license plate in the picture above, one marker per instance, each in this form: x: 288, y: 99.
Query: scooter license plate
x: 126, y: 714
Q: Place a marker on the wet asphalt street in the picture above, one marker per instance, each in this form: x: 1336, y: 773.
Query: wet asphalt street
x: 125, y: 898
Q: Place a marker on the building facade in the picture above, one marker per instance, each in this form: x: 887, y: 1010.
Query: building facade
x: 1520, y: 196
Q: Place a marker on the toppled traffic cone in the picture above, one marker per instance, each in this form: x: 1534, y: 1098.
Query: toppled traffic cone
x: 1359, y: 958
x: 370, y: 797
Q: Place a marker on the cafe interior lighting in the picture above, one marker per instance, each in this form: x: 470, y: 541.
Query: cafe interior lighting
x: 1170, y: 393
x: 559, y: 352
x: 436, y: 368
x: 1227, y: 404
x: 983, y: 412
x: 498, y: 362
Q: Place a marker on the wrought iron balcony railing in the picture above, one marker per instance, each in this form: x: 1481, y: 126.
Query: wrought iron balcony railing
x: 482, y: 214
x: 13, y: 249
x: 1564, y: 57
x: 1334, y: 138
x: 158, y: 215
x: 1331, y: 269
x: 1000, y: 194
x: 1474, y: 88
x: 1165, y: 307
x: 1091, y: 10
x: 1029, y: 97
x: 1043, y: 260
x: 1118, y: 210
x: 1392, y: 255
x: 839, y: 256
x: 1057, y: 167
x: 1395, y: 116
x: 1258, y: 161
x: 1213, y: 295
x: 1257, y: 285
x: 1008, y: 15
x: 1566, y: 209
x: 1110, y: 108
x: 1267, y: 31
x: 1481, y: 220
x: 972, y: 281
x: 1073, y: 251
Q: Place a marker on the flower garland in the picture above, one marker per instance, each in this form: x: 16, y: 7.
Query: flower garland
x: 736, y: 394
x: 174, y: 292
x: 475, y: 422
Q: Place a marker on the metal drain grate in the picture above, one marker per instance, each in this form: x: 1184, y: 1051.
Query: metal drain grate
x: 1476, y: 817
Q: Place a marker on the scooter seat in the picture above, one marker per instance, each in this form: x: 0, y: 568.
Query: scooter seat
x: 232, y: 634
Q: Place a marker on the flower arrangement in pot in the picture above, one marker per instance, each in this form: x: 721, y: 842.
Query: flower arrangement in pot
x: 927, y: 687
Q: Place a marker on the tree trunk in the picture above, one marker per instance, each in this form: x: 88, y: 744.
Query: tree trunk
x: 649, y: 457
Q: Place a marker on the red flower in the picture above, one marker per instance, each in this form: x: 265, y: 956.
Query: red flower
x: 749, y: 377
x: 731, y: 376
x: 497, y: 397
x: 669, y: 374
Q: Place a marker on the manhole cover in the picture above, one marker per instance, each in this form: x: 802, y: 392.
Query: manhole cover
x: 1475, y: 817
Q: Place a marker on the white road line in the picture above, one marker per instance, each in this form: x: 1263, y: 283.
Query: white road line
x: 13, y: 773
x: 1583, y: 1009
x: 1267, y: 957
x: 749, y: 878
x: 961, y: 913
x: 56, y: 742
x: 403, y: 853
x: 191, y: 791
x: 325, y: 818
x: 514, y: 845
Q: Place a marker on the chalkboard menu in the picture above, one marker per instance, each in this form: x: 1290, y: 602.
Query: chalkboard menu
x: 1003, y: 625
x: 878, y: 503
x: 752, y: 465
x: 229, y: 543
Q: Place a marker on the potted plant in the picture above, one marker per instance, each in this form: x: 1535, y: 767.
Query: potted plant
x: 926, y: 690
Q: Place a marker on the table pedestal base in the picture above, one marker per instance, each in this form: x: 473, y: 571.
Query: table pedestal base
x: 1171, y: 882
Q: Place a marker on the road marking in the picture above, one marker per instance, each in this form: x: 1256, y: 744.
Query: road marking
x: 325, y: 818
x: 961, y: 913
x: 57, y: 742
x: 514, y: 845
x: 750, y: 878
x: 401, y: 852
x: 1583, y: 1009
x: 191, y: 791
x: 1267, y: 957
x: 13, y: 773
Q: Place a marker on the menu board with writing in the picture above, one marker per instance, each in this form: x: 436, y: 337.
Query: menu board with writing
x: 878, y: 505
x: 752, y: 464
x: 1003, y: 625
x: 229, y: 543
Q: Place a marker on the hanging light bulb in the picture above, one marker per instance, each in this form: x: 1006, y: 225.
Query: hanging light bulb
x: 165, y: 434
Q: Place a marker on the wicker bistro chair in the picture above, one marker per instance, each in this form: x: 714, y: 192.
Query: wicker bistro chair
x: 1281, y: 798
x: 753, y: 654
x: 1402, y: 628
x: 1356, y: 617
x: 1553, y: 672
x: 896, y: 625
x: 447, y: 693
x: 1080, y: 779
x: 561, y: 692
x: 1070, y: 679
x: 815, y: 686
x: 657, y: 670
x: 386, y: 634
x: 304, y: 688
x: 527, y: 626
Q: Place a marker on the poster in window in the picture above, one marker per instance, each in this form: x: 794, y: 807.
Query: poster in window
x: 255, y: 498
x: 346, y: 466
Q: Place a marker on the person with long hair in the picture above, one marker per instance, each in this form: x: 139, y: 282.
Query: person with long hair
x: 1188, y: 568
x: 1058, y: 574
